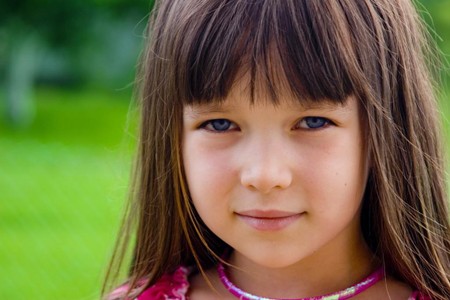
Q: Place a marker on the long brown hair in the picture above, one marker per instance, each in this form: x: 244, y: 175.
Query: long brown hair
x: 376, y: 50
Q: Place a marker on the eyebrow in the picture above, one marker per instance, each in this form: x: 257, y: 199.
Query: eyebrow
x: 326, y: 105
x: 209, y: 108
x: 198, y: 110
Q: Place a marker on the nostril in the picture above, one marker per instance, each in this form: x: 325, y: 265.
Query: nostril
x: 265, y: 181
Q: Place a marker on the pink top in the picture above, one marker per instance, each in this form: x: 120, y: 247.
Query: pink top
x: 176, y: 285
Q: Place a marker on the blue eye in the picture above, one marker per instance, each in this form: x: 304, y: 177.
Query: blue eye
x: 313, y: 122
x: 218, y: 125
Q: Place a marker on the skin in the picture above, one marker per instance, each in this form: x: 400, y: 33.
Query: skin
x: 308, y: 162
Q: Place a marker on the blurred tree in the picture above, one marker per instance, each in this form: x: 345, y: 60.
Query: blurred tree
x: 57, y: 32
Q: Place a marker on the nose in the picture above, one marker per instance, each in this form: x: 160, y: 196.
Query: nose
x: 266, y: 168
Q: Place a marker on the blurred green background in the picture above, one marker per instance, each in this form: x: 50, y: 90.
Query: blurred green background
x: 67, y: 134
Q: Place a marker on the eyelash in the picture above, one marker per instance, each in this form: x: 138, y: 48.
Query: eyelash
x: 204, y: 125
x: 326, y: 123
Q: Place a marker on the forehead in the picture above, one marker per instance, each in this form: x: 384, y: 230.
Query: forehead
x: 242, y: 95
x: 239, y: 100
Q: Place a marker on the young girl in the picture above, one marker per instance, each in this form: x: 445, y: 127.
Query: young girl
x: 289, y: 149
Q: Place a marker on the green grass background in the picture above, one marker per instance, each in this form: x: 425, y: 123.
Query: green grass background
x: 62, y: 186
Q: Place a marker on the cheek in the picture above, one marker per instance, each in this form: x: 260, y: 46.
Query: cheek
x: 208, y: 172
x: 335, y: 174
x: 210, y: 178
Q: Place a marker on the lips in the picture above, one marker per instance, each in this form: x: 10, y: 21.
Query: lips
x: 270, y: 220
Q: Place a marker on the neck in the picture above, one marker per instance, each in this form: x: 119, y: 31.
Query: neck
x: 306, y: 278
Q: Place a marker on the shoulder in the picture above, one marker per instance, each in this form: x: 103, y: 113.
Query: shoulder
x: 390, y: 288
x: 395, y: 289
x: 170, y: 286
x: 416, y: 295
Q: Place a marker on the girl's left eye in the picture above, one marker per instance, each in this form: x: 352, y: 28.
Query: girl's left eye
x: 218, y: 125
x: 313, y: 123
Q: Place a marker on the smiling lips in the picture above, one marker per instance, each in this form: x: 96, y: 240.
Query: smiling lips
x: 268, y: 220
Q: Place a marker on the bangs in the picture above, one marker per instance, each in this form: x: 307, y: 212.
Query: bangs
x: 292, y: 46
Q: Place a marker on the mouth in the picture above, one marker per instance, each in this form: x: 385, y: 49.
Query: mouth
x: 271, y: 220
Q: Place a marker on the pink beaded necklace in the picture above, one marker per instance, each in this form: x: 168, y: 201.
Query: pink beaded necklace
x: 341, y: 295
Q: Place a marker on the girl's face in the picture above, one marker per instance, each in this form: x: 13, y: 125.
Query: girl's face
x: 278, y: 184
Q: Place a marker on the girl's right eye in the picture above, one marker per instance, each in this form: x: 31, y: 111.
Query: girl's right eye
x: 218, y: 125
